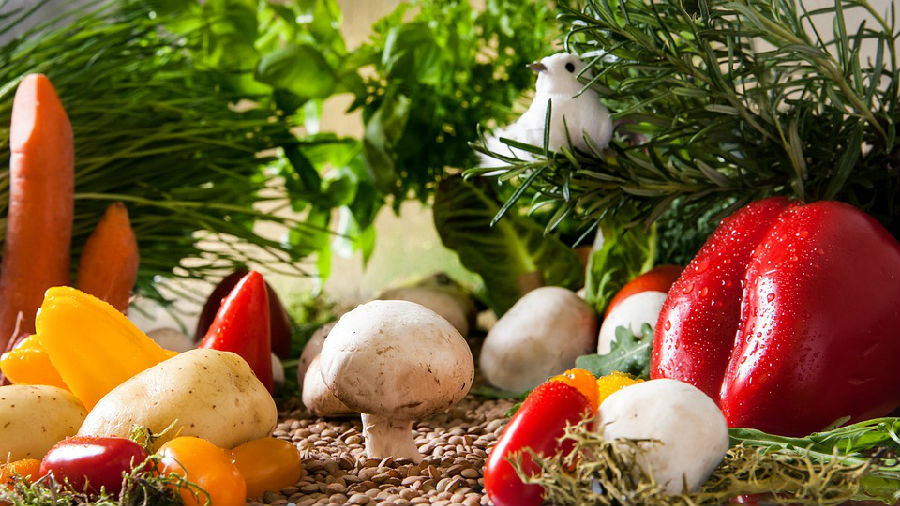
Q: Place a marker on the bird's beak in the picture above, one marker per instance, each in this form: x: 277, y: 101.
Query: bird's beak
x: 537, y: 67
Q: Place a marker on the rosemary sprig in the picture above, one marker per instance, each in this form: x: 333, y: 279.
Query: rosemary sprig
x: 725, y: 102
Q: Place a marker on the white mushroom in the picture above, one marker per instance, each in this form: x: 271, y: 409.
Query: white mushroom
x: 395, y: 362
x: 634, y: 311
x: 312, y: 349
x: 687, y: 434
x: 316, y: 396
x: 439, y: 301
x: 540, y: 336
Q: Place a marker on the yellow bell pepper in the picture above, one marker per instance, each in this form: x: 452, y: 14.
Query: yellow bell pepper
x: 612, y: 383
x: 29, y: 364
x: 92, y: 345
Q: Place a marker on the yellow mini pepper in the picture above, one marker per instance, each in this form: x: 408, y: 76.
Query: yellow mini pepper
x: 29, y: 364
x: 92, y: 345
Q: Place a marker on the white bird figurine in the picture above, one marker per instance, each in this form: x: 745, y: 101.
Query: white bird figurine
x: 584, y: 114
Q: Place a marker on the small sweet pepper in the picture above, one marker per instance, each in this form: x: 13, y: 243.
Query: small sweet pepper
x: 538, y: 424
x: 91, y: 344
x: 788, y: 317
x: 242, y: 326
x: 28, y: 363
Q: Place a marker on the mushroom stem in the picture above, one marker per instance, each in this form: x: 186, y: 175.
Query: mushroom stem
x: 386, y: 437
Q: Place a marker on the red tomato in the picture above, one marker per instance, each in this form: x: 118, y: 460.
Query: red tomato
x: 207, y: 466
x: 539, y: 424
x: 267, y: 464
x: 658, y: 279
x: 94, y: 462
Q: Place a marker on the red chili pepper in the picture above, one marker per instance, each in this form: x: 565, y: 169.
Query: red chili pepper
x: 539, y: 424
x: 93, y: 462
x: 280, y: 326
x: 242, y: 326
x: 789, y: 317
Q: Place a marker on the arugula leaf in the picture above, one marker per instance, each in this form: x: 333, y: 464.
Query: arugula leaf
x: 624, y: 254
x: 503, y: 253
x: 628, y: 353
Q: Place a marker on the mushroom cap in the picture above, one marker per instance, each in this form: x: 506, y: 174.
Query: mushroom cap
x: 689, y: 433
x: 439, y: 301
x: 312, y: 349
x: 540, y: 336
x: 634, y: 311
x: 396, y: 359
x: 317, y: 397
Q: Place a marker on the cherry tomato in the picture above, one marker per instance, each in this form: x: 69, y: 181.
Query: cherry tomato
x: 539, y: 424
x: 30, y: 469
x: 658, y: 279
x: 88, y: 464
x: 267, y: 464
x: 584, y: 381
x: 207, y: 466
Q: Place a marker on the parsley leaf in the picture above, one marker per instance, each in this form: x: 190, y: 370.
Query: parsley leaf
x: 628, y: 353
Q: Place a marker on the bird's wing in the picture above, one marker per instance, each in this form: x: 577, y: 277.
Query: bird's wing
x: 584, y: 116
x: 495, y: 145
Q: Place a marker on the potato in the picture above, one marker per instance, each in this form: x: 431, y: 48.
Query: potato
x: 35, y: 417
x: 210, y: 394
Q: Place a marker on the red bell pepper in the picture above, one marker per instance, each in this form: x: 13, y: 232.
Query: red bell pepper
x: 242, y: 326
x: 539, y: 424
x: 280, y: 326
x: 789, y: 317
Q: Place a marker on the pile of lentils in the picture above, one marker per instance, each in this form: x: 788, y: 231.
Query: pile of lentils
x: 454, y: 444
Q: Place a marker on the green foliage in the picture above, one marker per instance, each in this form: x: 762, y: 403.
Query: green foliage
x: 155, y: 128
x: 628, y: 353
x: 505, y: 252
x: 439, y: 76
x: 722, y: 102
x: 625, y: 254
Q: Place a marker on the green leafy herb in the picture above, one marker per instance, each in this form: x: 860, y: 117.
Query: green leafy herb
x: 436, y: 77
x: 505, y: 254
x: 628, y: 353
x: 853, y: 441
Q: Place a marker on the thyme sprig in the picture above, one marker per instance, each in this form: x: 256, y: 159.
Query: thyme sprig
x: 830, y: 470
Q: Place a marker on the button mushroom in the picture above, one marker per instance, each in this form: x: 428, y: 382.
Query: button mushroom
x: 540, y: 336
x: 395, y: 362
x: 316, y: 396
x: 685, y: 434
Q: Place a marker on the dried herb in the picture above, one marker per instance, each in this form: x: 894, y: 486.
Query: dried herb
x: 605, y: 472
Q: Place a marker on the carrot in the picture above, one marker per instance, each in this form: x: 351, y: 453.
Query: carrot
x: 109, y: 261
x: 39, y: 224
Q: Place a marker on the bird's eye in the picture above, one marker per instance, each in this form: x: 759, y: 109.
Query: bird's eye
x: 570, y: 67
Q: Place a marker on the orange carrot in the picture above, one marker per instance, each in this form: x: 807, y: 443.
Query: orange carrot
x: 109, y: 261
x: 41, y: 183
